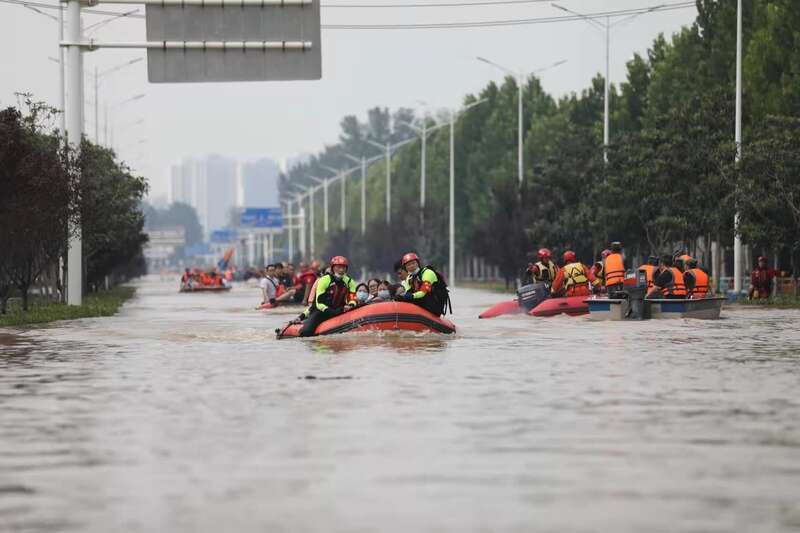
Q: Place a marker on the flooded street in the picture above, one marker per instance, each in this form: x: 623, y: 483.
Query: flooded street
x: 183, y: 414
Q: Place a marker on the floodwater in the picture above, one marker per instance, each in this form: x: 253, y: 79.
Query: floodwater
x: 183, y: 414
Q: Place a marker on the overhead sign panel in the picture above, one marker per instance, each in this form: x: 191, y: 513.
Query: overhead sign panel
x: 233, y: 40
x: 262, y: 218
x: 223, y: 236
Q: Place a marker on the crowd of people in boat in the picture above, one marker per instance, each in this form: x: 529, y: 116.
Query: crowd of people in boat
x: 673, y: 276
x: 332, y: 291
x: 194, y: 278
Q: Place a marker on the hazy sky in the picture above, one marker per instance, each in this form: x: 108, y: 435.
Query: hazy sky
x: 361, y: 69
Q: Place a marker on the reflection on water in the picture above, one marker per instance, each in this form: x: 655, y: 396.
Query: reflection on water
x: 184, y: 414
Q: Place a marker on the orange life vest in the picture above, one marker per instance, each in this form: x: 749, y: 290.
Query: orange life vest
x: 677, y: 287
x: 614, y: 269
x: 648, y: 270
x: 701, y: 287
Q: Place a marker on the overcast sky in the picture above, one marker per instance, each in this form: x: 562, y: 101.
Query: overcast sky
x: 361, y: 69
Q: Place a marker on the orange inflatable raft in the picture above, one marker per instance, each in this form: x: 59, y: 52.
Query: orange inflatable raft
x: 384, y: 316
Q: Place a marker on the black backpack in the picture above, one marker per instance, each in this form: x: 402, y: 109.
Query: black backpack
x: 440, y: 294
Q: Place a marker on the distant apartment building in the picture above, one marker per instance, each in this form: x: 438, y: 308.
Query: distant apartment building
x: 260, y: 183
x: 209, y: 184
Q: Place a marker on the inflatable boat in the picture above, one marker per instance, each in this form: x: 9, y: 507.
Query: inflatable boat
x: 510, y: 307
x: 381, y: 316
x: 204, y: 288
x: 569, y: 305
x: 282, y: 305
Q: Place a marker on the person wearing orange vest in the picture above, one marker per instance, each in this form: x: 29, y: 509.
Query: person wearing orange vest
x: 696, y: 280
x: 681, y: 261
x: 614, y: 269
x: 667, y: 281
x: 573, y: 279
x: 649, y: 270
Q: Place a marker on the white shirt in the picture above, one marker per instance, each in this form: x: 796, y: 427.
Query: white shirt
x: 268, y: 287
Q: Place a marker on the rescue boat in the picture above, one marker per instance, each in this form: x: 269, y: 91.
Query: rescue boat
x: 623, y: 309
x: 510, y: 307
x: 384, y: 316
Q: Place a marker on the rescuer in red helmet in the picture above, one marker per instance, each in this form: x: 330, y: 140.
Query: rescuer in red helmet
x: 573, y: 279
x: 543, y: 271
x: 424, y: 286
x: 334, y: 295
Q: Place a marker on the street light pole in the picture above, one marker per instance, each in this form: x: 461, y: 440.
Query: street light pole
x: 520, y: 77
x: 737, y: 240
x: 74, y: 123
x: 452, y: 223
x: 324, y: 183
x: 363, y: 161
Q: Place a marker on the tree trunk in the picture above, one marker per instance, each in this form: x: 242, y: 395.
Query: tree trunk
x: 24, y: 293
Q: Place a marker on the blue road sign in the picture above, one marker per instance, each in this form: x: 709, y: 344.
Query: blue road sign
x: 270, y: 217
x: 223, y: 236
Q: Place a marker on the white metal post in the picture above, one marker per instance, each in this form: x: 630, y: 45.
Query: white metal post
x: 388, y: 184
x: 422, y: 169
x: 363, y: 195
x: 290, y: 227
x: 520, y: 128
x: 325, y: 194
x: 311, y: 221
x: 452, y: 251
x: 74, y: 121
x: 96, y: 107
x: 605, y: 98
x: 302, y: 215
x: 344, y: 202
x: 61, y: 82
x: 737, y: 241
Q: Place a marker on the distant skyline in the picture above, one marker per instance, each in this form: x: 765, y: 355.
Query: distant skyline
x: 361, y: 69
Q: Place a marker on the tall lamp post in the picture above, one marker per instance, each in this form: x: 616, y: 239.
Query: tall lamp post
x: 737, y: 240
x: 454, y: 114
x: 520, y: 77
x: 387, y: 149
x: 605, y: 26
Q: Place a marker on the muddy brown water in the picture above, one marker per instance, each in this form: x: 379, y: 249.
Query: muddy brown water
x: 183, y: 414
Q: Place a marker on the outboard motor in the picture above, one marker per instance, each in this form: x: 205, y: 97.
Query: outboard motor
x: 637, y: 308
x: 529, y: 296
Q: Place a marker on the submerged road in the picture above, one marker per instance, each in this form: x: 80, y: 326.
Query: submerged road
x: 183, y: 414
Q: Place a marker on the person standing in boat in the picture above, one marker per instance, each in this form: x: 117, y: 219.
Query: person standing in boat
x: 334, y: 295
x: 696, y: 280
x: 614, y: 269
x: 573, y: 279
x: 424, y: 286
x: 667, y: 281
x: 543, y: 271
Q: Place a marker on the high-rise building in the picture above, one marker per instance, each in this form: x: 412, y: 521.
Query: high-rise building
x: 209, y: 184
x: 260, y: 183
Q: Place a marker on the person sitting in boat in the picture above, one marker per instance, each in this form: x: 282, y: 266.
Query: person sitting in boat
x: 397, y: 289
x: 597, y: 272
x: 362, y: 294
x: 668, y: 281
x: 384, y: 293
x: 424, y: 286
x: 696, y: 279
x: 286, y: 288
x: 649, y: 269
x: 543, y: 271
x: 614, y: 269
x: 681, y: 260
x: 186, y: 279
x: 761, y: 280
x: 334, y: 295
x: 268, y: 285
x: 308, y: 276
x: 372, y: 286
x: 573, y: 279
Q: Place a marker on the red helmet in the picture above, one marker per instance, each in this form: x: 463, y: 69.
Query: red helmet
x: 605, y: 253
x: 339, y: 260
x: 410, y: 256
x: 544, y: 253
x: 569, y: 256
